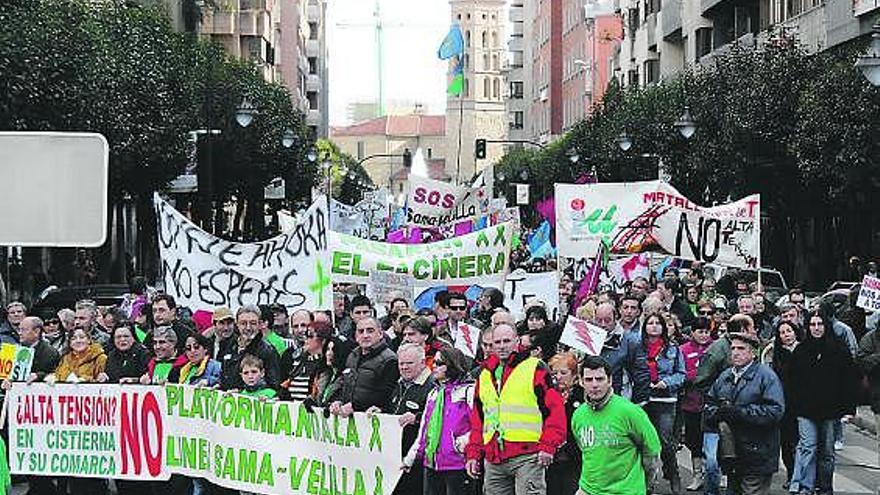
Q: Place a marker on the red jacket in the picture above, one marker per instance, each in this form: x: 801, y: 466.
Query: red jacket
x: 550, y: 403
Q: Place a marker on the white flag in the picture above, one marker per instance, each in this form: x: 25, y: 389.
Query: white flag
x: 583, y: 336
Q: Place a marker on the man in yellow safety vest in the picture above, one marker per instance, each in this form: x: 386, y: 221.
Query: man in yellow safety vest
x: 518, y: 420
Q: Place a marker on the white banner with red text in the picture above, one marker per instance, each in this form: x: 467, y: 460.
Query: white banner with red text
x: 235, y: 441
x: 634, y: 217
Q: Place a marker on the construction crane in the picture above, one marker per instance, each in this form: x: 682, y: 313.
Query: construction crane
x: 379, y: 26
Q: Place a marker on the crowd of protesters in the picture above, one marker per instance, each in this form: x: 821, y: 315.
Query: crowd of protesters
x: 736, y: 380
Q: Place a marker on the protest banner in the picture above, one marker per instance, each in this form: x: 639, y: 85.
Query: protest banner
x: 366, y: 219
x: 479, y: 257
x: 523, y: 288
x: 466, y: 338
x: 869, y: 294
x: 434, y: 203
x: 235, y: 441
x: 202, y: 271
x: 616, y: 273
x: 583, y: 336
x: 15, y: 362
x: 635, y: 217
x: 385, y: 286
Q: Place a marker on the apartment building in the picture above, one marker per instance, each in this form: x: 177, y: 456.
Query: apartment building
x: 661, y: 37
x: 286, y: 40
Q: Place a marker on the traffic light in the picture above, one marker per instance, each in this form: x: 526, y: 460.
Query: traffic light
x: 480, y: 149
x: 407, y: 158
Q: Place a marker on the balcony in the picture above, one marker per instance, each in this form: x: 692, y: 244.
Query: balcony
x: 517, y: 30
x: 313, y: 48
x: 313, y: 13
x: 218, y: 23
x: 313, y: 117
x: 313, y: 83
x: 516, y: 14
x: 671, y: 20
x: 252, y: 23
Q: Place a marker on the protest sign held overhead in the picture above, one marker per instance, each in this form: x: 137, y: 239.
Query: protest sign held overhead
x: 583, y: 336
x: 522, y: 289
x: 235, y: 441
x: 479, y: 257
x: 652, y: 216
x: 869, y: 294
x: 15, y: 362
x: 202, y: 271
x: 366, y: 219
x: 434, y: 203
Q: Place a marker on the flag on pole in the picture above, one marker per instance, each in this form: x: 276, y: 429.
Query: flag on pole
x: 583, y: 336
x: 452, y: 45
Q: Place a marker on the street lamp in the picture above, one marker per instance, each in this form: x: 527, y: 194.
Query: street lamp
x: 869, y: 63
x: 288, y: 138
x: 624, y: 141
x: 326, y: 165
x: 245, y: 112
x: 685, y: 124
x: 573, y: 156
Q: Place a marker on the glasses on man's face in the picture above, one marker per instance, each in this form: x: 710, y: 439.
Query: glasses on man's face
x: 706, y: 313
x: 458, y: 308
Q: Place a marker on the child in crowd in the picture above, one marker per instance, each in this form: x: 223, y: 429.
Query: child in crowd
x: 253, y: 374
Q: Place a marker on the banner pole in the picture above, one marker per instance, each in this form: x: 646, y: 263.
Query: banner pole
x: 758, y: 244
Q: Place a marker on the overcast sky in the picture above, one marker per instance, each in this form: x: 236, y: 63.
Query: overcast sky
x: 413, y: 30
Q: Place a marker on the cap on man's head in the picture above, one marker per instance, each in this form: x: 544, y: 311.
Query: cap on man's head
x: 222, y: 313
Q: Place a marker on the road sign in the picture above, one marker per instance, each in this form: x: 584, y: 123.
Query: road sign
x: 53, y: 189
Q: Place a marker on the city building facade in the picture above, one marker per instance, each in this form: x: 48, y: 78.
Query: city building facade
x: 662, y: 37
x: 286, y: 40
x: 392, y: 135
x: 480, y: 111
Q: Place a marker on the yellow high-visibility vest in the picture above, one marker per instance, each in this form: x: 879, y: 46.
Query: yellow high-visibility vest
x: 514, y: 415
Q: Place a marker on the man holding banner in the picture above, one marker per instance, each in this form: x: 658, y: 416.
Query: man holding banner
x: 518, y: 421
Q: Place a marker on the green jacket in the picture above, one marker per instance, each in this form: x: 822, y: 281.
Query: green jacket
x: 715, y: 360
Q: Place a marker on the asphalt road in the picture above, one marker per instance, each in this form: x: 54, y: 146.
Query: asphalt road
x: 856, y: 473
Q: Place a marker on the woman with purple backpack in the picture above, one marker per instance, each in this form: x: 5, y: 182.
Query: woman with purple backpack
x: 445, y: 426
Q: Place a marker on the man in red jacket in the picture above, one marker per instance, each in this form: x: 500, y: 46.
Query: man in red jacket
x: 518, y: 420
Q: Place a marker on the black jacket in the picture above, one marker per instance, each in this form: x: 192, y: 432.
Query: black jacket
x: 46, y: 359
x: 129, y: 364
x: 869, y: 361
x: 369, y: 379
x: 230, y: 360
x: 757, y: 407
x: 823, y: 379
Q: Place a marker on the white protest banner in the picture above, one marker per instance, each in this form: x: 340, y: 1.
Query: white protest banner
x: 202, y: 271
x: 235, y: 441
x: 367, y: 219
x: 869, y: 294
x: 434, y: 203
x: 523, y: 288
x: 480, y: 257
x: 652, y: 216
x: 583, y: 336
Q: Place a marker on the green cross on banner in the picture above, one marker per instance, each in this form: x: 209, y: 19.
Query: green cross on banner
x: 321, y: 281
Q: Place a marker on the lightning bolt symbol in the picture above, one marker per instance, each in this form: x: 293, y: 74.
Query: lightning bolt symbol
x: 583, y: 334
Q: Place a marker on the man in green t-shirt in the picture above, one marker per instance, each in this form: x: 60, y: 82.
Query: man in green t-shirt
x: 620, y: 446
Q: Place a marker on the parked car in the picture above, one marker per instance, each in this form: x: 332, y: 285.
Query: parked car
x: 772, y: 281
x: 54, y: 298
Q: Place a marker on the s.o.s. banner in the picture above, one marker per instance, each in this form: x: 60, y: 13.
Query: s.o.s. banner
x: 149, y: 433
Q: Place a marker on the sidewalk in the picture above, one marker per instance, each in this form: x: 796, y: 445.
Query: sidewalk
x: 865, y: 419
